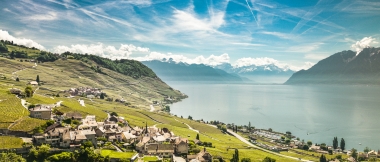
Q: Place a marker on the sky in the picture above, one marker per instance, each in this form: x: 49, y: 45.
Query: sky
x: 293, y: 33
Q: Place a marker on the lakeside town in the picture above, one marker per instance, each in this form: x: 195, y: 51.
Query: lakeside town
x: 67, y: 132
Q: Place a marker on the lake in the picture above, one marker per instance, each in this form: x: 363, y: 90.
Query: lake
x: 316, y: 113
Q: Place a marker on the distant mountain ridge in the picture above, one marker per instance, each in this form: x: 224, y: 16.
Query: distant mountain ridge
x: 343, y: 68
x: 252, y: 70
x: 172, y: 71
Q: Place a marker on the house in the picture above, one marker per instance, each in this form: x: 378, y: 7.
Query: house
x: 74, y: 115
x: 41, y: 112
x: 88, y: 122
x: 77, y: 138
x: 15, y: 91
x: 128, y: 137
x: 57, y: 137
x: 181, y: 146
x: 163, y: 150
x: 33, y: 83
x: 90, y: 135
x: 203, y: 156
x: 53, y: 126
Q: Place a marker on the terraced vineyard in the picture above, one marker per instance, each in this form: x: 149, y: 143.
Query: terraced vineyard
x: 27, y: 124
x: 7, y: 142
x: 10, y: 108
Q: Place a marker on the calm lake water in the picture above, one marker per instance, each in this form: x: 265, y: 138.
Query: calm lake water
x: 316, y: 113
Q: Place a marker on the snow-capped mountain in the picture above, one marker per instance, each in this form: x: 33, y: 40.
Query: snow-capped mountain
x: 253, y: 70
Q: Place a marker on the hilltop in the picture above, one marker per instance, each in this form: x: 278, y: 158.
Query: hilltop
x: 344, y: 67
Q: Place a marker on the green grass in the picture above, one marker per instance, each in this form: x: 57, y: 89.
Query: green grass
x: 7, y: 142
x: 150, y: 158
x: 115, y: 154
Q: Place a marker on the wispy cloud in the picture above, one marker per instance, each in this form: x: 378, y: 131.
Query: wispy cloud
x: 281, y: 35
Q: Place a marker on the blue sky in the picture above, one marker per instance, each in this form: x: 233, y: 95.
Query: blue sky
x: 293, y: 33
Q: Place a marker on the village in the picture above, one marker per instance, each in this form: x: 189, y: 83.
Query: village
x: 69, y: 131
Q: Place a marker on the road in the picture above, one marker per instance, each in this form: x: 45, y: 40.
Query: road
x: 188, y: 126
x: 259, y: 148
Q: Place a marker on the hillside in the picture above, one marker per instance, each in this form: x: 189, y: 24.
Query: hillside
x: 137, y: 85
x: 343, y: 68
x: 171, y: 71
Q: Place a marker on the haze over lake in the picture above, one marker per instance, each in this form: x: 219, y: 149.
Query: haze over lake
x: 316, y: 113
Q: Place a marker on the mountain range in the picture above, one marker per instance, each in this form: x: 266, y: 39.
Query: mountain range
x: 346, y: 67
x: 168, y: 70
x: 172, y: 71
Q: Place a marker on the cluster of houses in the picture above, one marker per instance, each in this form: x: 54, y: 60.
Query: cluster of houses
x: 87, y: 91
x: 150, y: 141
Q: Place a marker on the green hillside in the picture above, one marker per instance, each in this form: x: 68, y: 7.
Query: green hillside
x: 129, y: 80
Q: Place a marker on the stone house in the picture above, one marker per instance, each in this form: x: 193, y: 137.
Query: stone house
x: 162, y: 150
x: 41, y: 112
x: 181, y: 146
x: 57, y: 137
x: 203, y: 156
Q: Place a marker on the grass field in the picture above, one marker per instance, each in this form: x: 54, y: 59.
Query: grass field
x: 7, y: 142
x: 150, y: 158
x: 115, y: 154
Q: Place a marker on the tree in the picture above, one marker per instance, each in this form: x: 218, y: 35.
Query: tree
x: 235, y: 156
x: 17, y: 79
x: 288, y: 134
x: 335, y: 143
x: 246, y: 160
x: 367, y: 149
x: 63, y: 156
x: 305, y: 147
x: 114, y: 114
x: 102, y: 95
x: 268, y: 159
x: 322, y: 158
x: 10, y: 156
x: 342, y: 144
x: 270, y: 130
x: 354, y: 153
x: 38, y: 79
x: 197, y: 137
x: 309, y: 143
x: 87, y: 144
x: 167, y: 108
x: 249, y: 128
x: 29, y: 91
x: 39, y: 154
x: 191, y: 118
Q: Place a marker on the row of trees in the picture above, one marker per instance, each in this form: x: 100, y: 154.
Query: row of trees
x: 336, y: 144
